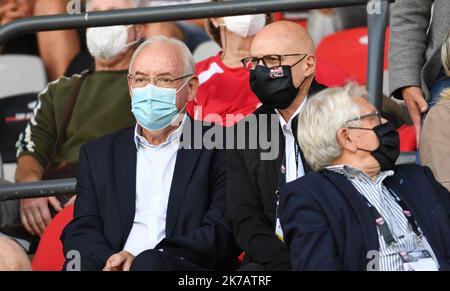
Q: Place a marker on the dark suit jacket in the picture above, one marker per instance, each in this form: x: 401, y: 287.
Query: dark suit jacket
x: 105, y: 205
x: 328, y: 225
x: 251, y: 199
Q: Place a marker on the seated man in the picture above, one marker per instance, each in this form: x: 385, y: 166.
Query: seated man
x: 73, y: 111
x: 145, y: 200
x: 282, y: 67
x: 361, y: 211
x: 13, y: 256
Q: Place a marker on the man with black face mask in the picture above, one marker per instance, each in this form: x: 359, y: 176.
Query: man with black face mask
x: 282, y: 66
x: 359, y: 211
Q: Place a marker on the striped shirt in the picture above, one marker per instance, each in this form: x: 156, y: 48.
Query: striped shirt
x: 380, y: 197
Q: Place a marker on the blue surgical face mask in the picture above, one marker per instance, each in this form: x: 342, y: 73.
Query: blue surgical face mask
x: 155, y: 108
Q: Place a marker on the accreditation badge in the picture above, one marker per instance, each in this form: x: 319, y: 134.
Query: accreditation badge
x: 418, y: 261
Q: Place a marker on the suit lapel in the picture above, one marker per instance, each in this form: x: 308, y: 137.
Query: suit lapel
x: 125, y: 160
x: 359, y: 206
x: 184, y: 167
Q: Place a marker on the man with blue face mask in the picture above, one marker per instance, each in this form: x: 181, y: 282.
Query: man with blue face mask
x: 146, y: 200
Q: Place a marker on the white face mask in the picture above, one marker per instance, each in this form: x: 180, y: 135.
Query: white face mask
x: 245, y: 25
x: 108, y: 42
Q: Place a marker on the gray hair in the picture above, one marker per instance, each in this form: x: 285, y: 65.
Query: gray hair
x: 324, y: 114
x: 189, y: 63
x: 137, y: 3
x: 445, y: 54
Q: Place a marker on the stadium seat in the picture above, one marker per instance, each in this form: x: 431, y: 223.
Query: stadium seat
x: 21, y: 74
x: 49, y: 254
x: 348, y: 50
x: 331, y: 75
x: 408, y: 140
x: 21, y: 78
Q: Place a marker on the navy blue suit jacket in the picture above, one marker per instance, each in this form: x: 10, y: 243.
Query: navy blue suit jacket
x: 106, y: 199
x: 328, y: 226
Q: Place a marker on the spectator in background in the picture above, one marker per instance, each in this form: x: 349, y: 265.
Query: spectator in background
x: 56, y: 49
x: 435, y: 136
x: 416, y: 74
x: 224, y: 82
x: 13, y: 256
x: 185, y: 31
x: 360, y: 211
x: 73, y: 111
x: 323, y: 22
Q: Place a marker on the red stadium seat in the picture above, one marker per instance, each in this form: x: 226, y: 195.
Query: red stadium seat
x: 49, y: 255
x: 408, y: 140
x: 348, y: 50
x: 331, y: 75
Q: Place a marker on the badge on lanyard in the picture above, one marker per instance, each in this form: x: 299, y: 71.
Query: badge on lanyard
x: 418, y: 261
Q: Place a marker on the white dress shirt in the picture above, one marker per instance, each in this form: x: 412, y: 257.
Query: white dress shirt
x: 154, y: 172
x: 292, y: 171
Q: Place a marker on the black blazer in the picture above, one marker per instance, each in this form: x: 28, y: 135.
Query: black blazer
x: 105, y: 205
x: 328, y: 225
x: 251, y: 199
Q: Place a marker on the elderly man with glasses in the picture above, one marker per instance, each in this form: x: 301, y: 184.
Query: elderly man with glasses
x: 147, y: 198
x: 359, y: 211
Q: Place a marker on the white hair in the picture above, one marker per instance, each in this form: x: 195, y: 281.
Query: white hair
x: 324, y: 114
x: 188, y: 59
x: 136, y: 3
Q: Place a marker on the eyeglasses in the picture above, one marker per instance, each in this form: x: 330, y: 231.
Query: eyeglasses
x: 269, y: 61
x: 140, y: 81
x: 375, y: 117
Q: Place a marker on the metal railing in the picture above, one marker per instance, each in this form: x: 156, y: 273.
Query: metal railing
x: 38, y: 189
x: 377, y: 22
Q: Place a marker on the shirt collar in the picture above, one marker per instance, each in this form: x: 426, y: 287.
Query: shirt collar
x: 296, y: 113
x: 141, y: 141
x: 353, y: 173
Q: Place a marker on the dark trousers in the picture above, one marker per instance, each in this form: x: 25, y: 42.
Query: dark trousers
x: 155, y: 260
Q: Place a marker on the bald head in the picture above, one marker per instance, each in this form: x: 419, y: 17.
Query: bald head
x: 13, y: 256
x: 282, y: 37
x: 296, y: 48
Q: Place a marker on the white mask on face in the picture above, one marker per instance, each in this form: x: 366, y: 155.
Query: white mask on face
x: 108, y: 42
x: 245, y: 25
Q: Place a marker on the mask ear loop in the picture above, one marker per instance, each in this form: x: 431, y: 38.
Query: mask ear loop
x: 306, y: 78
x: 183, y: 110
x: 137, y: 40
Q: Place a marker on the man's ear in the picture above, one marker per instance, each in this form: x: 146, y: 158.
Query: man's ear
x: 345, y: 141
x: 193, y: 88
x: 310, y: 62
x: 129, y: 87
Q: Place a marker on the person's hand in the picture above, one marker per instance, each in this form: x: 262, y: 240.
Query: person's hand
x: 119, y: 262
x: 416, y: 104
x: 71, y: 201
x: 35, y: 213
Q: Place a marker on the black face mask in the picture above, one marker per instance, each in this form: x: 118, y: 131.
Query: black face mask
x: 389, y: 150
x: 274, y: 87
